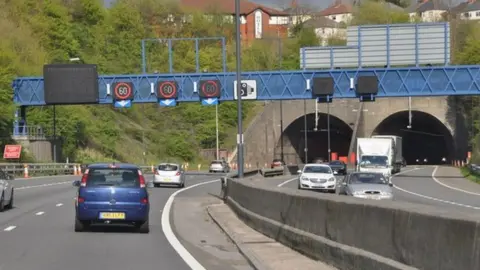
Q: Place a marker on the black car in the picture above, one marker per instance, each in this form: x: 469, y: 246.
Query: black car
x: 338, y: 167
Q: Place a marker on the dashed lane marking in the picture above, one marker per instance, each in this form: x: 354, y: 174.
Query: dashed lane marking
x: 39, y: 213
x: 59, y: 204
x: 9, y: 228
x: 44, y: 185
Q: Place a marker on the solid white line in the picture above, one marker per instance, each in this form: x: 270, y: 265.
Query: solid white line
x: 59, y: 204
x: 436, y: 199
x: 450, y: 187
x: 44, y: 185
x: 286, y: 182
x: 432, y: 198
x: 172, y: 239
x: 9, y: 228
x: 39, y: 213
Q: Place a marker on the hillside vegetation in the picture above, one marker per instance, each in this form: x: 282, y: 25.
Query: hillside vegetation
x: 53, y: 31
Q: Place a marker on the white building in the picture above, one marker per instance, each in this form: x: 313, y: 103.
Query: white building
x: 427, y: 10
x: 326, y: 28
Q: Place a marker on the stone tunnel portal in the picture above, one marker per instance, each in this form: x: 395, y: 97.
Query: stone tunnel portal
x: 317, y: 137
x: 425, y: 141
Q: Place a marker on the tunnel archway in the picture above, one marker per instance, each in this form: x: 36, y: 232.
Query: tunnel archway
x: 426, y: 137
x: 317, y: 139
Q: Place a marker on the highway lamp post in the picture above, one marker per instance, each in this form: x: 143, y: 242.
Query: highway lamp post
x: 239, y: 91
x: 216, y: 131
x: 305, y: 129
x: 328, y: 131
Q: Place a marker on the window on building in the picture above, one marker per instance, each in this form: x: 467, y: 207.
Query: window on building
x: 477, y: 14
x: 466, y: 14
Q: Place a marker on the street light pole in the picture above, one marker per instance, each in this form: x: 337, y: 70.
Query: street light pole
x: 328, y: 131
x: 239, y: 92
x: 305, y: 129
x: 216, y: 130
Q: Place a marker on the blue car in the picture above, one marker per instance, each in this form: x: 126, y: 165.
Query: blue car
x: 112, y: 194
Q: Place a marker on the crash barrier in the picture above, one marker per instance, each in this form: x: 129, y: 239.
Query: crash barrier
x: 28, y: 170
x: 359, y: 234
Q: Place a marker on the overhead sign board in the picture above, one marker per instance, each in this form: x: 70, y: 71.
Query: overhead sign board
x: 12, y: 151
x: 248, y: 89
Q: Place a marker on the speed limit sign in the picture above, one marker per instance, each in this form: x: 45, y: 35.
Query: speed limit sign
x: 123, y: 91
x: 167, y: 90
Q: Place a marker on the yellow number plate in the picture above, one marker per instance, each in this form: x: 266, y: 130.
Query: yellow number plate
x: 112, y: 215
x: 166, y: 179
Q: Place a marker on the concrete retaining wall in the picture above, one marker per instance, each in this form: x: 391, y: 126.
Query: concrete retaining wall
x: 327, y: 227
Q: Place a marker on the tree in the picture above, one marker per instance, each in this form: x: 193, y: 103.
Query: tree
x: 376, y: 12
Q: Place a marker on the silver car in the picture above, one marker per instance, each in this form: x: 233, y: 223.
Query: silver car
x: 169, y: 174
x: 219, y: 166
x: 7, y: 188
x: 367, y: 185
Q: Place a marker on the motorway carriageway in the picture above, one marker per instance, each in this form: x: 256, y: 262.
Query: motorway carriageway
x: 37, y: 234
x: 429, y: 185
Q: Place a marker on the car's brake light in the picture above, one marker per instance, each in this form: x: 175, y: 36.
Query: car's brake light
x: 177, y: 174
x: 144, y: 201
x: 80, y: 200
x: 83, y: 182
x: 141, y: 179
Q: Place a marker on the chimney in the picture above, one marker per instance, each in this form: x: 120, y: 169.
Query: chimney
x: 338, y: 2
x: 471, y: 1
x: 293, y: 4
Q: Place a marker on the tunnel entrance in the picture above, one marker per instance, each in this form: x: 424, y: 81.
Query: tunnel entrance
x: 317, y: 140
x: 426, y: 141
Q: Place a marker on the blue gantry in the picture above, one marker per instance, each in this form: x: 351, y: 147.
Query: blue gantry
x: 281, y: 85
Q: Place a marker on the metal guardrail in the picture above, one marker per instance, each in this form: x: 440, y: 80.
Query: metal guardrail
x: 24, y: 170
x: 39, y: 169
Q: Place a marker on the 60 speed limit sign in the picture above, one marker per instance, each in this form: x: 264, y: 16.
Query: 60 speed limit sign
x: 123, y: 90
x: 167, y: 90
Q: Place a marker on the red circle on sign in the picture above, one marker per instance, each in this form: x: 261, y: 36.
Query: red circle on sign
x: 165, y: 95
x: 122, y: 95
x: 208, y: 94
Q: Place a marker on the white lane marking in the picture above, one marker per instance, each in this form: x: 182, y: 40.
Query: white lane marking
x: 432, y: 198
x: 172, y: 239
x: 286, y: 182
x: 44, y: 185
x: 436, y: 199
x: 39, y: 213
x: 450, y: 187
x: 9, y: 228
x: 59, y: 204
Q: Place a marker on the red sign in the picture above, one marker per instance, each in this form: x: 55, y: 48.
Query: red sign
x: 12, y: 151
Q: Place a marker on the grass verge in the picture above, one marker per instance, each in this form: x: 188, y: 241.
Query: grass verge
x: 470, y: 175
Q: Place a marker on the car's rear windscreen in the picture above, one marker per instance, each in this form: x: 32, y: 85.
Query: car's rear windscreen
x: 168, y: 168
x: 113, y: 177
x: 216, y: 162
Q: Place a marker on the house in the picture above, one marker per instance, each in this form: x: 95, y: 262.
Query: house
x: 469, y: 10
x: 326, y: 28
x: 338, y: 12
x: 427, y: 10
x: 257, y: 21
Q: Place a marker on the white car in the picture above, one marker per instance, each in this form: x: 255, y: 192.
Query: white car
x: 169, y: 174
x: 6, y: 185
x: 317, y: 177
